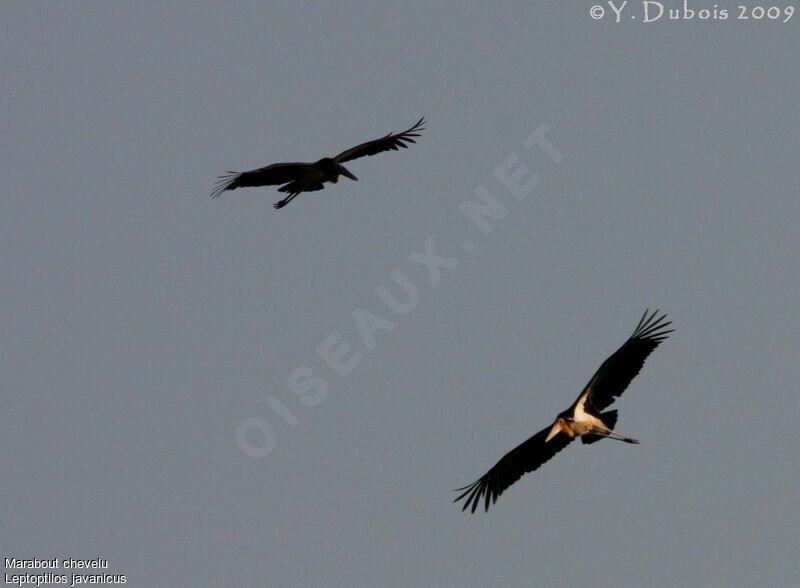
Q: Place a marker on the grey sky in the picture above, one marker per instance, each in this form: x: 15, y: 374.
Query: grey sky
x: 142, y: 322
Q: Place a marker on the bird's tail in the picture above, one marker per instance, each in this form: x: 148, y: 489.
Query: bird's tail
x: 609, y: 419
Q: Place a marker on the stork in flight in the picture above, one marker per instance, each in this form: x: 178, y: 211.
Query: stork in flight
x: 583, y: 419
x: 310, y: 177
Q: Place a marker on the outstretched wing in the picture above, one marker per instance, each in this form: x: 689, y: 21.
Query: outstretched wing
x: 387, y: 143
x: 271, y: 175
x: 527, y: 457
x: 616, y: 373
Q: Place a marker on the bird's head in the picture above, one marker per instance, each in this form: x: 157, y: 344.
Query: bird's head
x: 327, y: 166
x: 562, y: 425
x: 332, y: 169
x: 346, y: 172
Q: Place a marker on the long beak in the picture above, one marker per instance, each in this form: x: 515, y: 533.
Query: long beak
x: 555, y: 430
x: 345, y: 172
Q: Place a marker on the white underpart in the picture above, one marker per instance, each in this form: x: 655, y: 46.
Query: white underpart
x: 583, y: 422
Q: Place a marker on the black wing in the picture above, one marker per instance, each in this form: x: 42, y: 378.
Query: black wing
x: 618, y: 370
x: 271, y: 175
x: 526, y: 458
x: 388, y: 143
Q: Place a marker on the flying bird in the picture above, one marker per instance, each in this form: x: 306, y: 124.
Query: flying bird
x: 310, y: 177
x: 583, y: 419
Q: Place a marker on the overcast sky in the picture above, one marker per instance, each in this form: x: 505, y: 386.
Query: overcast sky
x: 212, y: 392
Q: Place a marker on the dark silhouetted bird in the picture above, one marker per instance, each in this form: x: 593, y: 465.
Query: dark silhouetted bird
x: 583, y: 419
x: 310, y: 177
